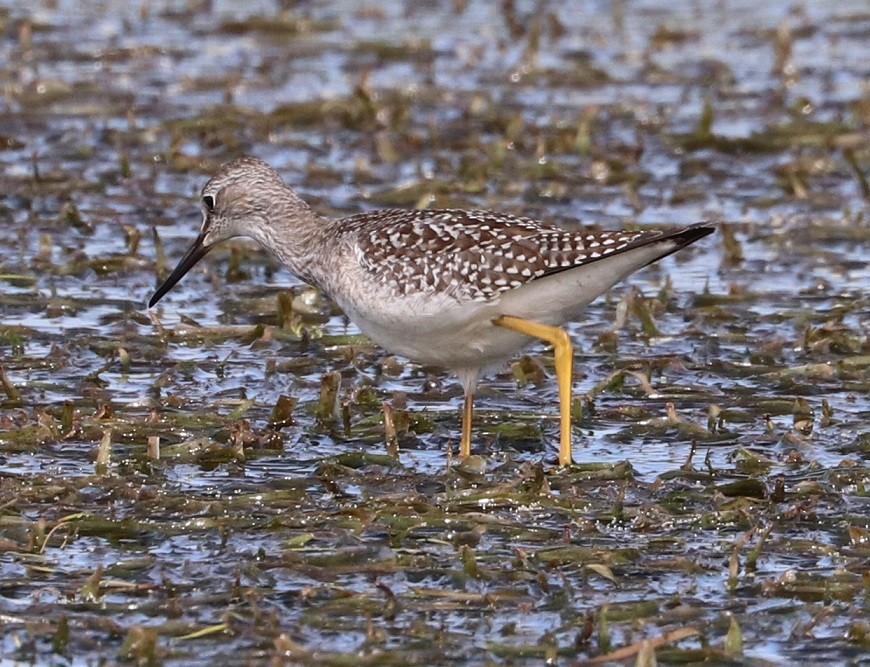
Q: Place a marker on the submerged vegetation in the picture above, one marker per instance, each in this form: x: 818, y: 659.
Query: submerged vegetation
x: 239, y: 475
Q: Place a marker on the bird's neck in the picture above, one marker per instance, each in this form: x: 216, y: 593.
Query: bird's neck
x: 295, y: 235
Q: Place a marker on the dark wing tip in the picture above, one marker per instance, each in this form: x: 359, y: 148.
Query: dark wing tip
x: 683, y: 237
x: 692, y: 233
x: 680, y: 237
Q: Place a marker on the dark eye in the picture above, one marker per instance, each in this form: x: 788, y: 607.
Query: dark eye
x: 208, y: 201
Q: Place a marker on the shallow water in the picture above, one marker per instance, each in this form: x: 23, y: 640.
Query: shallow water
x: 735, y: 529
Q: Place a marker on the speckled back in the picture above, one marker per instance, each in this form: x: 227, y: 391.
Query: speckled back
x: 473, y: 255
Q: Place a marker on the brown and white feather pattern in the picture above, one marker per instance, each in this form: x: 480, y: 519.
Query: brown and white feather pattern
x: 471, y: 255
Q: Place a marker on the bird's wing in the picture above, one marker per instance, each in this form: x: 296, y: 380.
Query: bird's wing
x: 474, y: 255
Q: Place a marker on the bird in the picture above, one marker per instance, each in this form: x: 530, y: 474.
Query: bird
x: 461, y: 289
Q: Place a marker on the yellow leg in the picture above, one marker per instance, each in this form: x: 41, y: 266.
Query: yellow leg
x: 467, y: 412
x: 561, y: 342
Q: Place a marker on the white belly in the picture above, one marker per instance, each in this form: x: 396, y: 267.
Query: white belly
x: 436, y: 328
x: 439, y: 330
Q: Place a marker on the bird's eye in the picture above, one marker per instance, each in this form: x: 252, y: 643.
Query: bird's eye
x: 208, y: 201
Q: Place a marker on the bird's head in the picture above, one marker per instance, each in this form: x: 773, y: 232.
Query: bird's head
x: 238, y: 201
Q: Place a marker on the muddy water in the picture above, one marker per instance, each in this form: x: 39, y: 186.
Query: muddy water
x: 731, y: 528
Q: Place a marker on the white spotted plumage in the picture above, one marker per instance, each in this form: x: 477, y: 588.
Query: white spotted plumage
x: 470, y: 255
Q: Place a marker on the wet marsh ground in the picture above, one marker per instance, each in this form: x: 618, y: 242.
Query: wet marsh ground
x: 718, y: 512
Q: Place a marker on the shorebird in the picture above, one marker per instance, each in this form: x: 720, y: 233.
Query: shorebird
x: 461, y: 289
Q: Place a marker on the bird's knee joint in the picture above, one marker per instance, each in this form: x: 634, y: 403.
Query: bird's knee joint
x: 563, y: 340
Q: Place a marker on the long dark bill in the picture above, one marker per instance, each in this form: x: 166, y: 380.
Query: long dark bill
x: 197, y: 251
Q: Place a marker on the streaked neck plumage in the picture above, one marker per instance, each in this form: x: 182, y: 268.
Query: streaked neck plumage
x: 293, y: 233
